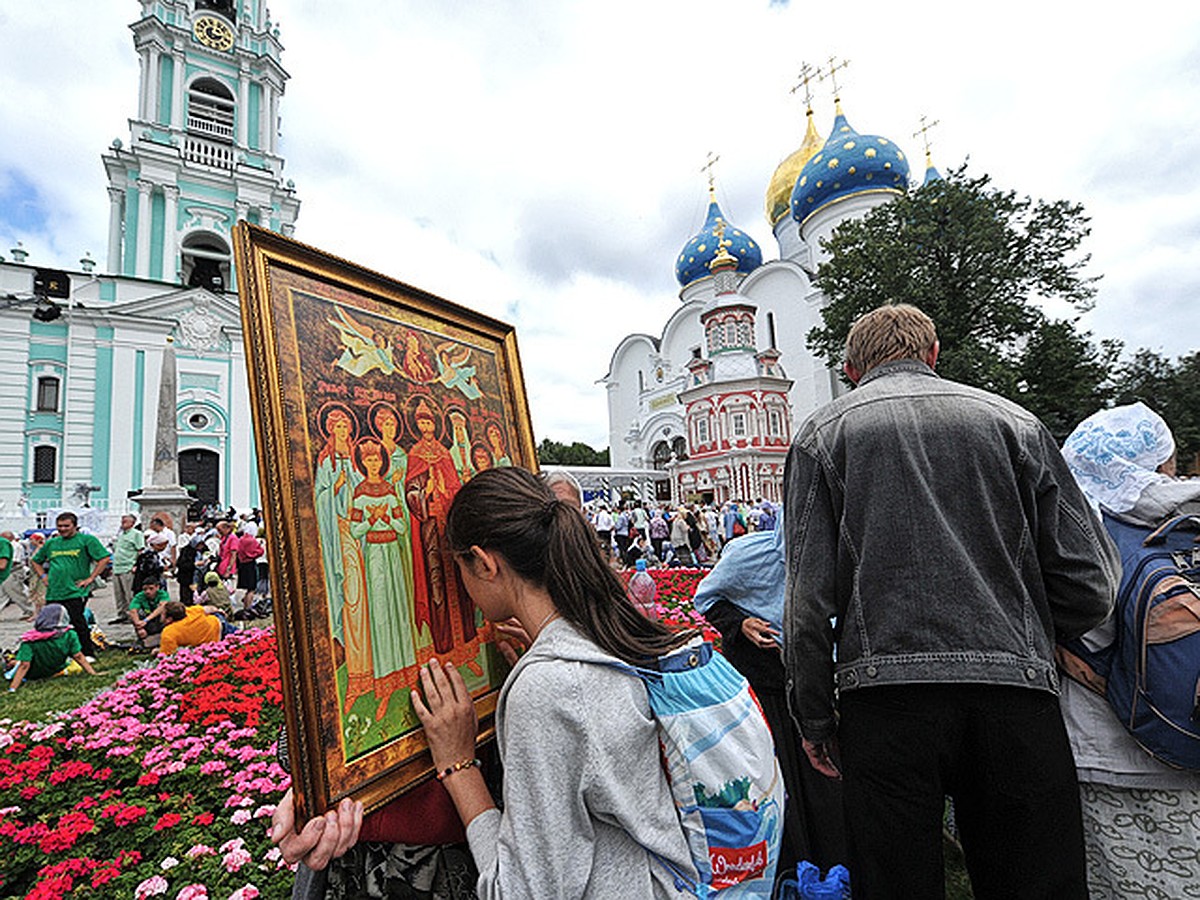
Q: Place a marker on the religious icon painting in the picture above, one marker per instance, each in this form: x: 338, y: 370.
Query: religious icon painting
x: 373, y: 402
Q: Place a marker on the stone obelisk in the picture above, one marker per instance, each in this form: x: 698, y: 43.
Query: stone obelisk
x: 164, y: 494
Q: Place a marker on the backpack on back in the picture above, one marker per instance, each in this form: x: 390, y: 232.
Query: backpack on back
x: 1150, y: 674
x: 720, y: 762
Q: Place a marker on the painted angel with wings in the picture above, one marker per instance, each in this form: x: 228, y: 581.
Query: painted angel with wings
x: 453, y: 372
x: 362, y: 348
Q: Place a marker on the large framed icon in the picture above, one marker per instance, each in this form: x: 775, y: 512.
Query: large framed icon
x: 373, y: 402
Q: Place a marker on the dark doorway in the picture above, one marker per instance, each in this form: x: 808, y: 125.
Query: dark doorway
x: 200, y: 473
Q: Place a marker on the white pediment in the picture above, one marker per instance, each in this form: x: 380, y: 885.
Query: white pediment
x: 203, y: 320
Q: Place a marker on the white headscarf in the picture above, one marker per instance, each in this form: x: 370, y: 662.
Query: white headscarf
x: 1114, y: 455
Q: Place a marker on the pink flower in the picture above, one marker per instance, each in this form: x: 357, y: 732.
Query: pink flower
x: 249, y: 892
x: 235, y: 859
x: 241, y: 817
x: 151, y: 887
x: 200, y: 850
x: 192, y: 892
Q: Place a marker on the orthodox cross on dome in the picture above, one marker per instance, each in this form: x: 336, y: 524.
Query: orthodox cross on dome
x: 834, y: 65
x: 807, y: 75
x: 707, y: 168
x: 719, y: 231
x: 923, y: 134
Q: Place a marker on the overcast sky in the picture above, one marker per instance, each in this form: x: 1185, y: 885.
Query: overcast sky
x: 540, y: 160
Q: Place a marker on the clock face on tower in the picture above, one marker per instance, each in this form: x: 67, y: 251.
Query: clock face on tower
x: 213, y: 32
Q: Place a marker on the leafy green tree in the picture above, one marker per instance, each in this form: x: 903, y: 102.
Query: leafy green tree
x: 975, y: 258
x: 1172, y: 389
x: 1063, y: 377
x: 577, y: 454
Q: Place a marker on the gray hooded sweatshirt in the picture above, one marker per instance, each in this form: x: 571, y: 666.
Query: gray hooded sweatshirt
x: 585, y: 798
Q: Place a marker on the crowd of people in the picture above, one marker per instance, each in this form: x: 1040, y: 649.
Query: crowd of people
x: 213, y: 564
x: 897, y: 616
x: 671, y: 535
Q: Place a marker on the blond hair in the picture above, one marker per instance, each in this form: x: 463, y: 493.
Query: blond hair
x: 894, y: 331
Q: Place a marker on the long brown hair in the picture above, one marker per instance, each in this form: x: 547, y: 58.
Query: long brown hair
x: 510, y: 511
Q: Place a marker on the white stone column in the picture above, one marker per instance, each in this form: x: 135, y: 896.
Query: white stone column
x: 177, y: 80
x: 243, y: 106
x: 273, y: 124
x: 241, y: 209
x: 142, y: 260
x: 170, y: 268
x: 264, y: 113
x: 153, y: 84
x: 143, y: 84
x: 116, y: 208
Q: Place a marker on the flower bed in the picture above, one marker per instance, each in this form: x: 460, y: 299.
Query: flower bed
x: 162, y: 786
x: 676, y: 587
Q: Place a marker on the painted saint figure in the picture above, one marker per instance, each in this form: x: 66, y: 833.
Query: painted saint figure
x: 377, y: 518
x: 460, y: 445
x: 416, y: 366
x: 386, y: 420
x: 430, y: 485
x: 333, y: 486
x: 495, y: 438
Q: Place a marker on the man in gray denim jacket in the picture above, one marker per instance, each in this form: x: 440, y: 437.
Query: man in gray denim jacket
x: 937, y: 546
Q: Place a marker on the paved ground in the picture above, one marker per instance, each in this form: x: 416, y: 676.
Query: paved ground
x: 103, y: 606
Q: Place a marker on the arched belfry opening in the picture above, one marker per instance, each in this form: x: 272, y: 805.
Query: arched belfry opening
x: 206, y: 261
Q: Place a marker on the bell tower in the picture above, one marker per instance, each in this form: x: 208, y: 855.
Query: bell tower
x: 203, y: 149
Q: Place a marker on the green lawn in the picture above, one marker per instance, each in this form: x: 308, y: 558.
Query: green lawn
x: 35, y: 700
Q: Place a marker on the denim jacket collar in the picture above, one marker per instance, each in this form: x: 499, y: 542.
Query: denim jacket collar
x: 915, y: 366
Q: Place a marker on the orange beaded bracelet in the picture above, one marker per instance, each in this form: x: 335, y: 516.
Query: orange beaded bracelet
x: 458, y: 767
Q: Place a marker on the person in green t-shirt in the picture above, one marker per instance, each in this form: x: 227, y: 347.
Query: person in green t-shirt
x: 44, y: 651
x: 146, y: 610
x: 70, y: 562
x: 128, y: 543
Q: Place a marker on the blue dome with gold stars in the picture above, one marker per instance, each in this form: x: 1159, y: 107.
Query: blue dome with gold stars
x: 849, y: 164
x: 692, y: 264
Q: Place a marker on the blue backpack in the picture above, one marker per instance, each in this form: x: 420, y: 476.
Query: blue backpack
x: 1150, y: 673
x: 719, y: 757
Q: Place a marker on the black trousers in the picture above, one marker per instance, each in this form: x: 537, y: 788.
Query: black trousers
x: 1000, y: 752
x: 75, y: 609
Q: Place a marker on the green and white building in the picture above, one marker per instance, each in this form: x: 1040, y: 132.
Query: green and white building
x: 203, y: 153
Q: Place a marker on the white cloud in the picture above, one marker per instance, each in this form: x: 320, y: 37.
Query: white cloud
x: 539, y: 160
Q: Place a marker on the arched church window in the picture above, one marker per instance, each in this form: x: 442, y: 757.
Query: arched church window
x: 679, y: 447
x: 205, y: 261
x: 774, y: 423
x: 738, y: 421
x: 227, y: 8
x: 661, y: 455
x: 745, y: 337
x: 730, y: 334
x: 702, y: 431
x: 210, y: 109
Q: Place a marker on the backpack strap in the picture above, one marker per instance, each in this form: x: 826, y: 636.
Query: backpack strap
x: 1160, y: 534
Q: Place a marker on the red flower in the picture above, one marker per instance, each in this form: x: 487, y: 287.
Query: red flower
x: 148, y: 780
x: 167, y: 820
x: 204, y: 818
x: 128, y: 815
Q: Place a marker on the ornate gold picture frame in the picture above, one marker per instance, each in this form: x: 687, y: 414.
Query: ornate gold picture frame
x: 373, y: 402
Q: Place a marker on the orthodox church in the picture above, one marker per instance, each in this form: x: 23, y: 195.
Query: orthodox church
x: 203, y: 152
x: 712, y: 401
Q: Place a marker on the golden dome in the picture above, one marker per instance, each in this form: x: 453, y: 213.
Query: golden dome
x: 779, y: 191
